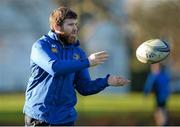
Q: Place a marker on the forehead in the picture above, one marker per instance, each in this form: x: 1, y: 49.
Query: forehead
x: 68, y: 21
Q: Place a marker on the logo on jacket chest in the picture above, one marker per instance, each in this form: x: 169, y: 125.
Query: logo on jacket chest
x: 54, y: 48
x: 76, y: 56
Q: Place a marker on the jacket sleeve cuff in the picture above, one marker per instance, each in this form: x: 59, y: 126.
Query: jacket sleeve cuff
x: 107, y: 79
x: 86, y: 62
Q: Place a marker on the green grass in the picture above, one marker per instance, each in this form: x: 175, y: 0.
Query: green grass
x: 11, y: 109
x: 11, y: 102
x: 124, y: 103
x: 94, y: 107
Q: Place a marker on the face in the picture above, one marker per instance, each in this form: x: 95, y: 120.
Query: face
x: 68, y: 30
x: 155, y: 68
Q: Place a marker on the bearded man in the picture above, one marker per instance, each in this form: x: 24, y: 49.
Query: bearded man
x: 59, y: 68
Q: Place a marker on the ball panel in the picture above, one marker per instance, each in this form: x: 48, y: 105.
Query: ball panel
x: 155, y: 42
x: 142, y: 59
x: 152, y: 51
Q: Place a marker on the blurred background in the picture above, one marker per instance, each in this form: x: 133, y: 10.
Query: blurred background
x: 117, y: 26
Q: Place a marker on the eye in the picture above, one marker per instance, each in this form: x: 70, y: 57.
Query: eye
x: 71, y: 24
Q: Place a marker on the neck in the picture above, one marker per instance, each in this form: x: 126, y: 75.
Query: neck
x: 63, y: 40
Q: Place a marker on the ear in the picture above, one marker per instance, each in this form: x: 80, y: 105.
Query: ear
x: 58, y: 29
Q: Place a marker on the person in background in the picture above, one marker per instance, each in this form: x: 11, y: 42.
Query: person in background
x: 59, y: 68
x: 158, y: 80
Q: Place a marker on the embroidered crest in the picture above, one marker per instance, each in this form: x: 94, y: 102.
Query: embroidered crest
x: 76, y: 56
x: 54, y: 48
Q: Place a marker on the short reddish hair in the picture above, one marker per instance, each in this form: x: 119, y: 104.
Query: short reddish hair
x: 59, y: 15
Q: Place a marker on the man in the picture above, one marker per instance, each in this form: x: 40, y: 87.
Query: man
x: 158, y: 80
x: 58, y: 68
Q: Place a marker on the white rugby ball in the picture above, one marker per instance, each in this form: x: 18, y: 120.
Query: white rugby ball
x: 152, y: 51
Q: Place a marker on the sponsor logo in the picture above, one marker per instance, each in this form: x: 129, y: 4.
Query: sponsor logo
x: 76, y: 56
x: 54, y: 48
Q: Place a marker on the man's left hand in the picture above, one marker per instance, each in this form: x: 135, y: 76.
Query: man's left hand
x: 117, y: 81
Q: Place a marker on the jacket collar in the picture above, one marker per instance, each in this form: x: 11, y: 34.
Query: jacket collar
x: 54, y: 36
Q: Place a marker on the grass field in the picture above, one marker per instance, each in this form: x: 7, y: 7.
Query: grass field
x: 112, y: 109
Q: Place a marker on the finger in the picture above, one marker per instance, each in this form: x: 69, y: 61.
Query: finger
x: 100, y: 62
x: 129, y: 81
x: 102, y: 59
x: 102, y: 56
x: 101, y: 53
x: 125, y: 82
x: 122, y: 81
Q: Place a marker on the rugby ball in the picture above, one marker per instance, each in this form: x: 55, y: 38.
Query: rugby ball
x: 153, y: 51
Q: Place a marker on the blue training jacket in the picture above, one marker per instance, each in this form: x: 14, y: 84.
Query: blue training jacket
x: 159, y: 83
x: 56, y: 71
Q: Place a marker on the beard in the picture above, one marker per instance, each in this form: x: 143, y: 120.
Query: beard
x: 67, y: 38
x: 72, y: 39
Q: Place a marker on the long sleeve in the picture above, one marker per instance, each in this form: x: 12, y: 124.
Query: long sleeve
x: 86, y: 86
x: 43, y: 56
x: 149, y: 83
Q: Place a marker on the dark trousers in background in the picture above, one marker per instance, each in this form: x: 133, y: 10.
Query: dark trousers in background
x: 34, y: 122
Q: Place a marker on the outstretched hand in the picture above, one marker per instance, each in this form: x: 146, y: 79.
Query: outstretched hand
x: 98, y: 58
x: 117, y: 81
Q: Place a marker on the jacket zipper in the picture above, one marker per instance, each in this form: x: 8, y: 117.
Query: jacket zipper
x: 58, y: 82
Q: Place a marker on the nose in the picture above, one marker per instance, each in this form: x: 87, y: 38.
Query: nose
x: 75, y: 28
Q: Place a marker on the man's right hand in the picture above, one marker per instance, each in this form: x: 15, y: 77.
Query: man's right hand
x: 98, y: 58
